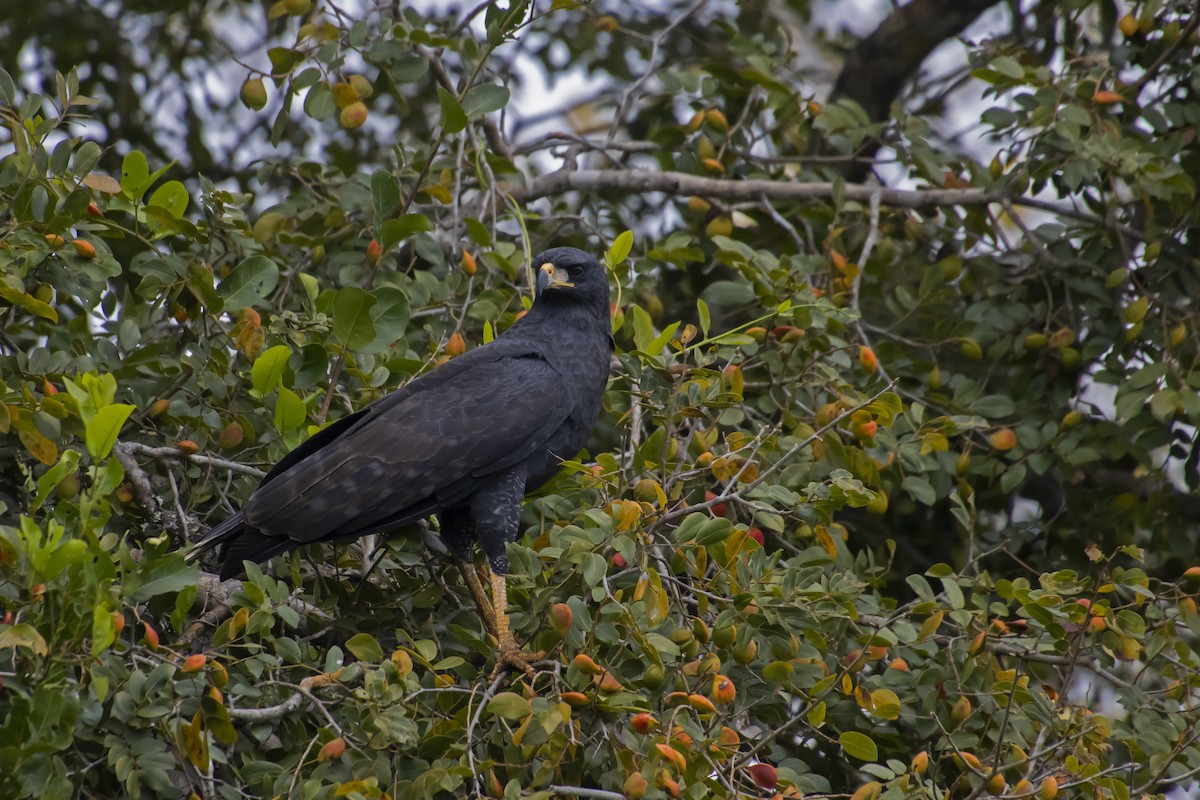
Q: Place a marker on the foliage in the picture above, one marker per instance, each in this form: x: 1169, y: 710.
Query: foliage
x: 800, y: 539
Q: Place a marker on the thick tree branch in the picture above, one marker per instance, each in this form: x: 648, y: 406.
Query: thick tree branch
x: 681, y: 183
x: 143, y: 492
x: 215, y: 596
x: 881, y: 65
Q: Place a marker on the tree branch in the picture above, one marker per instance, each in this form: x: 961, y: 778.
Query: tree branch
x: 881, y: 65
x: 755, y: 190
x: 175, y: 454
x: 215, y: 595
x: 144, y: 492
x: 579, y: 791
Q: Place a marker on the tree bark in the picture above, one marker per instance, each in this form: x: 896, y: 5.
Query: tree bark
x: 881, y: 65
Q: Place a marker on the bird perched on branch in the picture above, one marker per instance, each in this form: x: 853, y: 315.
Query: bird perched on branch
x: 464, y: 442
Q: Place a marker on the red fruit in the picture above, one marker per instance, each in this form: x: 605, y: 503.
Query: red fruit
x: 188, y: 446
x: 38, y: 590
x: 374, y: 251
x: 94, y: 210
x: 756, y: 535
x: 618, y: 561
x: 867, y: 359
x: 1003, y: 439
x: 636, y: 786
x: 353, y: 116
x: 764, y: 776
x: 194, y: 663
x: 231, y: 436
x: 151, y: 636
x: 719, y: 508
x: 671, y: 754
x: 866, y: 430
x: 586, y: 664
x: 723, y: 690
x: 561, y: 618
x: 643, y: 722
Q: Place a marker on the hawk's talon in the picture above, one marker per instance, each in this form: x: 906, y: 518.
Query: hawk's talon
x: 509, y: 655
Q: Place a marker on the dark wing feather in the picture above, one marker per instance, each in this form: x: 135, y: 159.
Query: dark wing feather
x: 392, y: 463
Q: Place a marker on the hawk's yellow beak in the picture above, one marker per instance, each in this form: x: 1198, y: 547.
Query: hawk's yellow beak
x: 556, y: 278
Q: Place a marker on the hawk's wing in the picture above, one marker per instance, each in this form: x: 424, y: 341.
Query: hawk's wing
x: 442, y: 433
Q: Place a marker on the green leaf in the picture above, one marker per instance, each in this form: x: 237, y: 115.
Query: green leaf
x: 659, y: 342
x: 921, y: 490
x: 454, y: 119
x: 200, y: 281
x: 619, y: 250
x: 994, y: 406
x: 858, y: 745
x: 165, y: 574
x: 397, y: 230
x: 509, y: 706
x: 28, y: 302
x: 705, y: 318
x: 135, y: 175
x: 729, y: 293
x: 484, y: 99
x: 104, y: 631
x: 365, y: 648
x: 102, y: 429
x: 68, y: 462
x: 1008, y: 67
x: 86, y: 159
x: 390, y: 315
x: 267, y: 371
x: 352, y: 324
x: 8, y: 89
x: 290, y: 411
x: 385, y: 193
x: 249, y: 282
x: 173, y: 196
x: 284, y: 60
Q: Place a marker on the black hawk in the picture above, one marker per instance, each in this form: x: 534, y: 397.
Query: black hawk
x: 465, y: 442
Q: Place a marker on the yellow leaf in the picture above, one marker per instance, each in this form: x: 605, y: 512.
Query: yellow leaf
x: 885, y: 704
x: 195, y: 743
x: 931, y: 625
x: 42, y: 448
x: 826, y: 541
x: 238, y: 624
